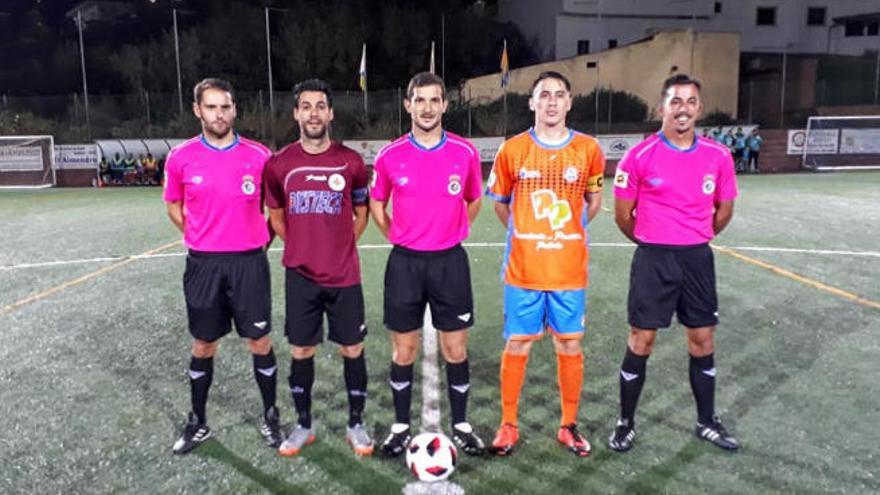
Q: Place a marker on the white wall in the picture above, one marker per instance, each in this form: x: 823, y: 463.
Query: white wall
x: 632, y: 20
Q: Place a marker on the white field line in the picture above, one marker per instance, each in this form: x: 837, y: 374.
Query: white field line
x: 766, y: 249
x: 430, y: 377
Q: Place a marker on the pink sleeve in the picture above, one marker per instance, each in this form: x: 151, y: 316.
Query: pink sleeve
x: 381, y: 187
x: 727, y: 189
x: 173, y: 180
x: 626, y: 178
x: 474, y: 187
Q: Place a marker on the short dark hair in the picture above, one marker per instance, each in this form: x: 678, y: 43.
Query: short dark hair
x: 680, y: 80
x: 313, y: 85
x: 423, y: 79
x: 550, y: 74
x: 212, y: 83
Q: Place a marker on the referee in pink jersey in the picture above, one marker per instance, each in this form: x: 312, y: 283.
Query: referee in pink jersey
x: 433, y: 179
x: 673, y: 193
x: 213, y: 194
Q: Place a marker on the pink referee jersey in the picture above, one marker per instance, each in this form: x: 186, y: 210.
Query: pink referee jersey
x: 675, y: 189
x: 429, y: 190
x: 221, y: 193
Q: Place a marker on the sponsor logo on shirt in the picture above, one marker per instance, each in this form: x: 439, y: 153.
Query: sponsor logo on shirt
x: 525, y: 173
x: 336, y: 182
x: 317, y: 202
x: 655, y: 181
x: 454, y: 187
x: 402, y: 181
x: 621, y: 179
x: 708, y: 184
x: 197, y: 179
x: 570, y: 175
x: 317, y: 178
x: 546, y: 205
x: 247, y: 185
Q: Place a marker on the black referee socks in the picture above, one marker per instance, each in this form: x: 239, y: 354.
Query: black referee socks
x: 265, y: 372
x: 201, y: 374
x: 632, y: 379
x: 458, y: 382
x: 401, y: 390
x: 702, y: 374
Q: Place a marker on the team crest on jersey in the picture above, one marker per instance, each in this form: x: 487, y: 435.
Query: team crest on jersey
x: 570, y: 175
x: 708, y: 184
x: 454, y: 187
x: 336, y: 182
x: 247, y: 185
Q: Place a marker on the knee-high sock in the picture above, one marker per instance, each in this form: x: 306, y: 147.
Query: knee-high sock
x: 513, y: 373
x: 201, y: 374
x: 702, y: 374
x: 570, y: 375
x: 458, y: 382
x: 355, y: 371
x: 301, y: 379
x: 266, y: 374
x: 632, y: 378
x: 401, y: 390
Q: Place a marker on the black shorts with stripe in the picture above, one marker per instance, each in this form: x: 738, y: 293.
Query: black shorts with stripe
x: 223, y: 287
x: 672, y: 279
x: 439, y: 279
x: 308, y: 301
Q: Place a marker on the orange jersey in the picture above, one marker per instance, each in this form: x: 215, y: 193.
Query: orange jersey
x: 546, y: 186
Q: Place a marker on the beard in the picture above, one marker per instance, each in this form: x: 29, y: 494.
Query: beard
x: 319, y: 133
x: 217, y: 130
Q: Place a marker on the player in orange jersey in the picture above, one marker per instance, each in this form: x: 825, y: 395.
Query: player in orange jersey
x: 547, y: 185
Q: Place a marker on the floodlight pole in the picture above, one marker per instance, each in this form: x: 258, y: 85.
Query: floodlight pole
x: 177, y: 60
x: 82, y: 62
x: 269, y: 69
x: 782, y: 92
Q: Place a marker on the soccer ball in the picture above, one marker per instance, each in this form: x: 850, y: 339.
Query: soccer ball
x: 431, y: 456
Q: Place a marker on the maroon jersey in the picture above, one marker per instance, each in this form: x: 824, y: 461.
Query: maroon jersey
x: 317, y: 193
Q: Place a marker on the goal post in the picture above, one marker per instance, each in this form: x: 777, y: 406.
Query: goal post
x: 27, y: 161
x: 849, y: 142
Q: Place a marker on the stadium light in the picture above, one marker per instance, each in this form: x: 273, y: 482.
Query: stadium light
x: 269, y: 64
x: 82, y: 62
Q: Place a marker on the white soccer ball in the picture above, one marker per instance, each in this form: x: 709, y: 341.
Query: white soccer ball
x: 431, y: 456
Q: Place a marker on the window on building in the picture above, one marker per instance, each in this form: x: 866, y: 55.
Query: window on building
x: 816, y: 16
x: 854, y: 28
x: 583, y: 47
x: 612, y: 43
x: 873, y: 28
x: 766, y: 16
x: 717, y: 7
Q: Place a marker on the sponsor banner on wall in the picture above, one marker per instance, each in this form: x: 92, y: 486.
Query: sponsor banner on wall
x: 821, y: 141
x: 21, y: 158
x: 488, y: 147
x: 615, y: 146
x: 860, y: 141
x: 76, y: 156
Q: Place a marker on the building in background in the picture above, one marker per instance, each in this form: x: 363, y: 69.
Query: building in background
x: 565, y: 28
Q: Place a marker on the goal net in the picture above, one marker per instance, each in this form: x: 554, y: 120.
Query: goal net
x: 842, y: 143
x: 27, y: 161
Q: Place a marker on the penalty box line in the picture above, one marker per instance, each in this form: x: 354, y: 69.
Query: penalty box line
x: 70, y: 283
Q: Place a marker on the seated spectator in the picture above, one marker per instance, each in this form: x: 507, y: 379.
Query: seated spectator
x: 130, y: 170
x: 104, y: 171
x: 150, y: 170
x: 117, y: 170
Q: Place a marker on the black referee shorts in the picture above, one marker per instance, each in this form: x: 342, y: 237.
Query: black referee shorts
x: 441, y: 279
x: 220, y: 287
x: 307, y: 302
x: 672, y: 279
